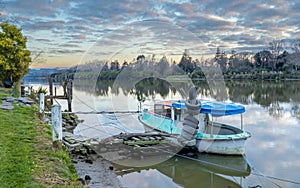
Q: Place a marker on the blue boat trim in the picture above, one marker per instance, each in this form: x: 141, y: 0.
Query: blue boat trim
x: 214, y: 108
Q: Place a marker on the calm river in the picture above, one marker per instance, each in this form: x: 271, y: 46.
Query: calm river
x: 272, y: 117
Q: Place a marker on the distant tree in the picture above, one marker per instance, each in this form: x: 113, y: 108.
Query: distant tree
x: 294, y: 58
x: 186, y: 62
x: 153, y: 58
x: 240, y: 62
x: 218, y: 53
x: 105, y: 67
x: 233, y: 61
x: 262, y: 59
x: 140, y: 58
x: 275, y: 47
x: 221, y: 59
x: 14, y: 56
x: 175, y: 69
x: 282, y: 61
x: 115, y: 65
x: 125, y: 64
x: 163, y: 66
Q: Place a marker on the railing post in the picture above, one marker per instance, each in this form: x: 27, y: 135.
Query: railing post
x: 70, y: 94
x: 56, y: 119
x: 42, y: 102
x: 51, y: 89
x: 29, y: 90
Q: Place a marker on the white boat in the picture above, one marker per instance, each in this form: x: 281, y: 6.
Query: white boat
x: 210, y: 136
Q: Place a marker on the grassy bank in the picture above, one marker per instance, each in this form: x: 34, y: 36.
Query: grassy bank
x: 27, y: 158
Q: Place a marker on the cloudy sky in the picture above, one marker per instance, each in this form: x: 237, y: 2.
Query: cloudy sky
x: 72, y: 32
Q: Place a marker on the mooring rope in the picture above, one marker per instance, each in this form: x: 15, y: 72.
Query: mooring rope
x: 96, y: 127
x: 84, y: 103
x: 266, y: 176
x: 229, y: 168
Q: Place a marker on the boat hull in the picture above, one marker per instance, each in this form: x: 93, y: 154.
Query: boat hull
x: 223, y: 147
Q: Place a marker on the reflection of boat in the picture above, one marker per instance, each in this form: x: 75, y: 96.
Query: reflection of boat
x: 227, y: 165
x: 211, y: 136
x: 203, y: 171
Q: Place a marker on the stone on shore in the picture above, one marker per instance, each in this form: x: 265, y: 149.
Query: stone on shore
x: 6, y: 105
x: 7, y: 102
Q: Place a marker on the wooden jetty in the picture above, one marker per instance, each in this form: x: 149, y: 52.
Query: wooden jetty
x: 68, y: 92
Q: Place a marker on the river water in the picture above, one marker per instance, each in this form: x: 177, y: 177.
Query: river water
x: 272, y: 117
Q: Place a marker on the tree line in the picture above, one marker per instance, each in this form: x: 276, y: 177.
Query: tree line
x: 280, y: 60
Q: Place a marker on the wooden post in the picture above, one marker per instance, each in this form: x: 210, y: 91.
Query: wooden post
x: 29, y: 90
x: 51, y: 89
x: 42, y: 102
x: 242, y: 124
x: 56, y: 119
x: 70, y: 94
x: 173, y: 113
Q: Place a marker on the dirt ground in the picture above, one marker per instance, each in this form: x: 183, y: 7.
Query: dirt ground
x: 95, y: 172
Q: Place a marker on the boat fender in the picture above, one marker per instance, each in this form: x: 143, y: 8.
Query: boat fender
x: 190, y: 123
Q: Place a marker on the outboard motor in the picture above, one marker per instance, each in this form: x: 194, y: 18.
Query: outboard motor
x: 190, y: 123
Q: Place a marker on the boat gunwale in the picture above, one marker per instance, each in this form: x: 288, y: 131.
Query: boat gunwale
x: 155, y: 129
x: 242, y: 136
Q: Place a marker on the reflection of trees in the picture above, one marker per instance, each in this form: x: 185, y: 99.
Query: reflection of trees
x: 269, y: 94
x: 263, y: 92
x: 275, y: 110
x: 150, y: 87
x: 295, y: 110
x: 240, y: 91
x: 145, y: 88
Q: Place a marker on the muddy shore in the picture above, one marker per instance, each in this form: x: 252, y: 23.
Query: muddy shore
x: 92, y: 156
x: 95, y: 172
x: 92, y: 169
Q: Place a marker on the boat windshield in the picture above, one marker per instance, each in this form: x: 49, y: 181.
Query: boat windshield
x: 163, y: 110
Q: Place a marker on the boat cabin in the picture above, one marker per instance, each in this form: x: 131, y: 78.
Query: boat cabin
x: 174, y: 111
x: 211, y: 136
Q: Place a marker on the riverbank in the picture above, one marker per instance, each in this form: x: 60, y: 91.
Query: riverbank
x: 27, y: 157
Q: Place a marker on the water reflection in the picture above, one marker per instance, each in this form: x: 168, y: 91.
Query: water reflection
x: 272, y: 117
x: 245, y: 92
x: 268, y: 94
x: 202, y: 170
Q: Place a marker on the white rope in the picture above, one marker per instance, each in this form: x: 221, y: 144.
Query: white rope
x: 266, y: 176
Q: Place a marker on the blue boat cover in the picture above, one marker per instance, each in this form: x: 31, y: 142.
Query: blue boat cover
x: 214, y: 108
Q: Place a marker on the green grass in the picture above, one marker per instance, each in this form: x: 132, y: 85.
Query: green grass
x: 27, y: 158
x: 4, y: 92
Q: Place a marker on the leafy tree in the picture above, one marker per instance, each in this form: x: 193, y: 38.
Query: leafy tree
x: 163, y: 66
x: 282, y: 61
x: 262, y: 59
x: 140, y: 58
x: 186, y: 62
x: 115, y: 65
x: 14, y: 57
x: 125, y: 64
x: 221, y: 59
x: 105, y: 67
